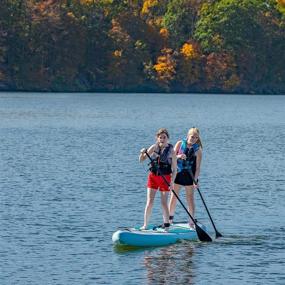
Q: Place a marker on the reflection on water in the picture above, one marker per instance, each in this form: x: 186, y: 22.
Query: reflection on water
x: 165, y: 265
x: 123, y: 249
x: 172, y: 263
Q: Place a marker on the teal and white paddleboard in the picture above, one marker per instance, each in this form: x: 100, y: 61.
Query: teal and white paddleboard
x: 155, y: 236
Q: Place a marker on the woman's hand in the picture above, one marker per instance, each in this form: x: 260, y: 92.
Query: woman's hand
x: 142, y: 155
x: 181, y: 156
x: 195, y: 186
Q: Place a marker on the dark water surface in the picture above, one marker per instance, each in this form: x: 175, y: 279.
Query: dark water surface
x: 69, y: 176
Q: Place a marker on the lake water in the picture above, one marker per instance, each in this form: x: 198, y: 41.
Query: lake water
x: 69, y: 176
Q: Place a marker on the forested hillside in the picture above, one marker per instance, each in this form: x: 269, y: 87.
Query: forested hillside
x: 222, y: 46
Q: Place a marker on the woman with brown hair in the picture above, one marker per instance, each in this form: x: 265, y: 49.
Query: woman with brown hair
x: 163, y: 164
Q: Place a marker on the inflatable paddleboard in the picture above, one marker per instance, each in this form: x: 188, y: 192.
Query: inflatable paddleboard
x: 155, y: 236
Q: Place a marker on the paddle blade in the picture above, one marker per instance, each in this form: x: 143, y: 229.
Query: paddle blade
x: 202, y: 235
x: 218, y: 234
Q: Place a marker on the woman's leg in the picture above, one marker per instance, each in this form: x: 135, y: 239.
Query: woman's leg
x: 148, y: 207
x: 173, y: 201
x: 190, y: 201
x: 165, y: 210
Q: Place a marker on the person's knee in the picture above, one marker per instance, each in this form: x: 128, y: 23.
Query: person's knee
x: 164, y: 203
x: 150, y: 201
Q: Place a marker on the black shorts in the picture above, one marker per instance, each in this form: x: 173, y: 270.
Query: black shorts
x: 184, y: 178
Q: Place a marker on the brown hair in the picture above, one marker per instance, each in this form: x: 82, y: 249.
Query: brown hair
x: 162, y: 131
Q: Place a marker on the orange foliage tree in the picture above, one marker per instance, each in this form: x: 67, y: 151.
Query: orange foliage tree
x: 221, y: 72
x: 189, y: 67
x: 165, y: 67
x: 147, y: 5
x: 58, y: 45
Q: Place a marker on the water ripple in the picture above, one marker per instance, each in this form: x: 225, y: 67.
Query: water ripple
x: 70, y: 176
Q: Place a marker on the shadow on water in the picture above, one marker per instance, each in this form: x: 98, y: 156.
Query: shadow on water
x: 239, y: 239
x: 273, y: 236
x: 124, y: 249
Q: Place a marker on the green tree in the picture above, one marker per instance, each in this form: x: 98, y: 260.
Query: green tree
x: 251, y: 31
x: 180, y: 19
x: 14, y: 29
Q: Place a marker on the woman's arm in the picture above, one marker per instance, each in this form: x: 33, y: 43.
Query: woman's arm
x: 143, y: 155
x: 173, y: 167
x: 198, y: 163
x: 177, y: 148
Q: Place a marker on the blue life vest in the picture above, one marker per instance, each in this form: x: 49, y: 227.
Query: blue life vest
x: 190, y: 156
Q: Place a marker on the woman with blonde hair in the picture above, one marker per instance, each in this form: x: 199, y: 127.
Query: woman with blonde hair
x: 189, y: 157
x: 163, y: 163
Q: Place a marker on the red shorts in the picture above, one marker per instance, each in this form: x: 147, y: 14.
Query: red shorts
x: 156, y: 182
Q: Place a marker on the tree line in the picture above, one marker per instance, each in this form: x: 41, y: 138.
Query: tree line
x: 203, y: 46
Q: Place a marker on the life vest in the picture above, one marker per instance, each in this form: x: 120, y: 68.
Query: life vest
x: 190, y: 161
x: 161, y: 161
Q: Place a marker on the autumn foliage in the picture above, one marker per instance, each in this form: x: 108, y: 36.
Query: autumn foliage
x: 224, y: 46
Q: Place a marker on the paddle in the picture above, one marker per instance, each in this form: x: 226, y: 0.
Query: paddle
x: 196, y: 183
x: 202, y: 235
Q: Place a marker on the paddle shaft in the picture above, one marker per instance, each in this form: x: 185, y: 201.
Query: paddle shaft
x: 202, y: 235
x: 196, y: 183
